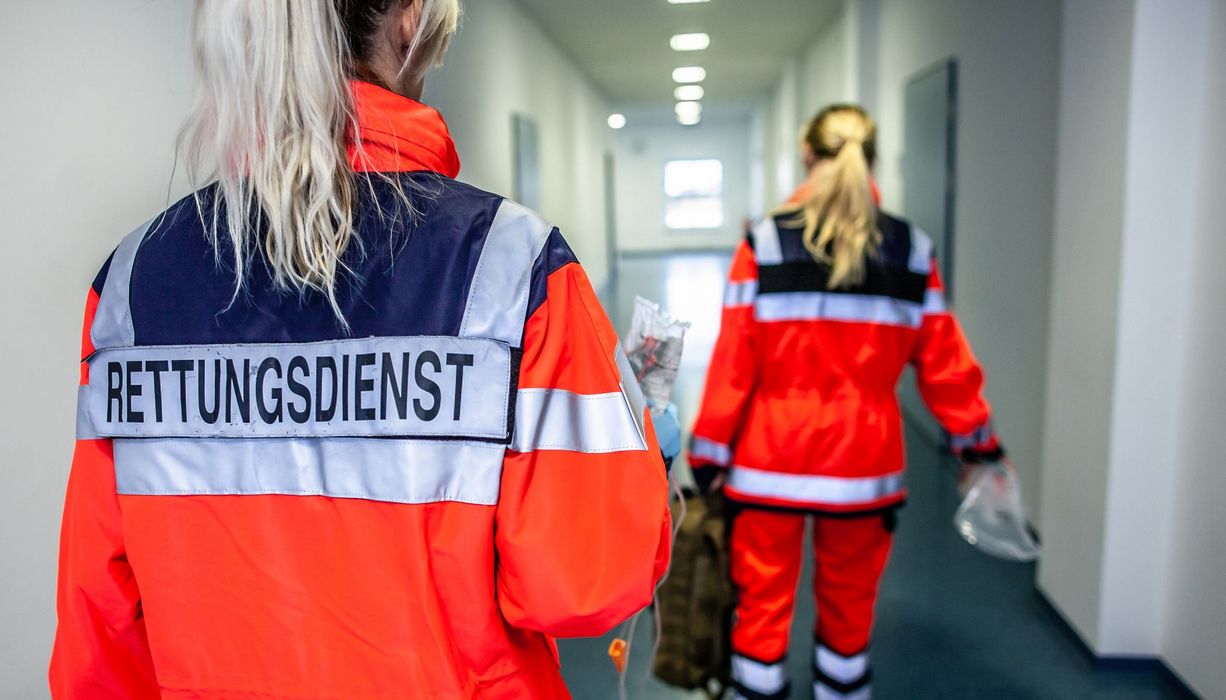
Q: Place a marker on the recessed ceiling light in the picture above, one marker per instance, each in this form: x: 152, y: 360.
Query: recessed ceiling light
x: 690, y: 42
x: 617, y: 121
x: 689, y: 93
x: 689, y: 109
x: 689, y: 119
x: 690, y: 74
x: 685, y: 2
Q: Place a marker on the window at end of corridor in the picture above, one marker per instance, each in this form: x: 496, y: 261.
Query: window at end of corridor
x: 694, y: 192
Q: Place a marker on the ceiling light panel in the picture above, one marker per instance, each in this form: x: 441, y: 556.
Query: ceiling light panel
x: 690, y: 42
x: 689, y: 93
x: 690, y: 74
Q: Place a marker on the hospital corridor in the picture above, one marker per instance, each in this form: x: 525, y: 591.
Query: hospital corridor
x: 613, y: 350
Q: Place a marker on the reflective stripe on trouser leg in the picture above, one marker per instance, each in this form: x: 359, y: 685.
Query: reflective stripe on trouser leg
x: 755, y: 680
x: 849, y: 557
x: 766, y: 550
x: 837, y: 677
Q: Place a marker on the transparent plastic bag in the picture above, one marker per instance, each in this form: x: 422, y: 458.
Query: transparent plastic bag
x: 992, y: 516
x: 654, y: 346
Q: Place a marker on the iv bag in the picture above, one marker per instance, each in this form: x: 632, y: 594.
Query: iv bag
x: 653, y: 347
x: 992, y: 516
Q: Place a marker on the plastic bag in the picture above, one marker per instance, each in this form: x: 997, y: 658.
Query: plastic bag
x: 654, y: 348
x: 992, y: 516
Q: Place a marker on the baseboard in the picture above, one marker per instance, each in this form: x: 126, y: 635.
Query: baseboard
x: 1116, y: 664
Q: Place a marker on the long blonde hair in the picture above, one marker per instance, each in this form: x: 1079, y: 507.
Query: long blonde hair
x: 840, y: 215
x: 272, y: 117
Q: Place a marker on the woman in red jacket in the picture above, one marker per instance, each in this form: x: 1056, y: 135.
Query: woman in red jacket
x: 348, y: 428
x: 828, y: 300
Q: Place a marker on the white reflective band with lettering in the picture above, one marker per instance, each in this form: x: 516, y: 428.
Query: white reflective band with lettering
x: 390, y: 470
x: 844, y: 669
x: 767, y: 250
x: 921, y: 252
x: 934, y: 302
x: 822, y: 692
x: 554, y: 419
x: 498, y: 296
x: 823, y: 306
x: 112, y: 326
x: 435, y: 387
x: 759, y: 677
x: 740, y: 294
x: 712, y: 451
x: 830, y: 490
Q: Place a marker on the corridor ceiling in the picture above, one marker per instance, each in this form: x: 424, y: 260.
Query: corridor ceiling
x: 623, y: 45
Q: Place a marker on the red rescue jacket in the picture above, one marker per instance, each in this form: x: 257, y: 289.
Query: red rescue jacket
x: 264, y: 506
x: 800, y: 401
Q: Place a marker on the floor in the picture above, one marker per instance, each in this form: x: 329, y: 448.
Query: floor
x: 952, y: 622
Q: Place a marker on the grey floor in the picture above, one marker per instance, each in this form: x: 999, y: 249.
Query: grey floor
x: 952, y: 623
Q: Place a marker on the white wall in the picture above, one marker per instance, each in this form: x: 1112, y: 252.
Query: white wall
x: 502, y: 64
x: 93, y: 93
x: 1196, y: 569
x: 641, y: 152
x: 1094, y: 96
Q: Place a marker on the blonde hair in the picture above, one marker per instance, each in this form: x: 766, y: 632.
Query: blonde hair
x: 271, y: 122
x: 840, y: 215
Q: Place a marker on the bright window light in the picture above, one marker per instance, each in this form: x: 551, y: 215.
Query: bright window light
x: 617, y: 121
x: 689, y: 93
x: 690, y: 74
x: 695, y: 191
x: 690, y: 42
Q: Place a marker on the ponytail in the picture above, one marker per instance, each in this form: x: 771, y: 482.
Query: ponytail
x: 840, y: 216
x: 271, y: 123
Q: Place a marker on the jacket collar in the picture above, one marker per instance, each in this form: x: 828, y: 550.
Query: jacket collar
x: 398, y: 134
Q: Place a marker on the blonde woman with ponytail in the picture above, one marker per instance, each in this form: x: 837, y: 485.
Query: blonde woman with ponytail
x: 829, y: 299
x: 347, y: 428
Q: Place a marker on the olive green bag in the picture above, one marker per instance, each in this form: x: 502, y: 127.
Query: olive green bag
x: 695, y: 603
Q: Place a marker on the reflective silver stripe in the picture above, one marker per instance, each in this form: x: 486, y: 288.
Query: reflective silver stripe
x: 759, y: 677
x: 422, y: 387
x: 112, y: 326
x: 740, y: 294
x: 823, y: 692
x: 631, y: 390
x: 712, y: 451
x: 921, y: 252
x: 934, y: 302
x: 975, y: 438
x: 554, y: 419
x: 498, y: 298
x: 824, y: 306
x: 395, y: 471
x: 767, y: 249
x: 805, y: 488
x: 844, y: 669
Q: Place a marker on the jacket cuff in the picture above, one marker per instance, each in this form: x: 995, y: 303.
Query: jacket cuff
x: 979, y: 445
x: 708, y: 452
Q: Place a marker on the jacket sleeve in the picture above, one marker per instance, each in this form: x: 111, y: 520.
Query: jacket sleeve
x: 101, y: 649
x: 733, y: 371
x: 951, y: 380
x: 583, y: 527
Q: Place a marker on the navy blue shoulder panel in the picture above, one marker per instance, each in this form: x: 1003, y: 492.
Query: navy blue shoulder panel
x: 100, y: 280
x: 555, y: 255
x: 895, y: 240
x: 886, y: 275
x: 410, y: 275
x: 895, y: 244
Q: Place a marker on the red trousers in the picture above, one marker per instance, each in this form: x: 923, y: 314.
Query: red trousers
x: 850, y: 554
